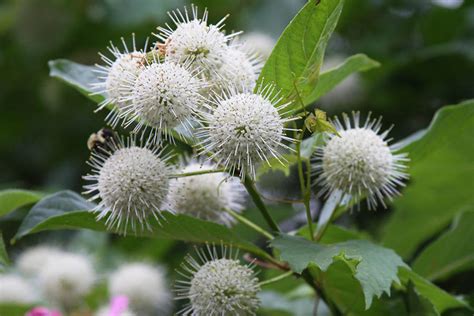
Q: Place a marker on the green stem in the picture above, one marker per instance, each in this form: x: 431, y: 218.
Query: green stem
x: 196, y: 173
x: 252, y: 190
x: 277, y: 278
x: 250, y: 224
x: 305, y: 189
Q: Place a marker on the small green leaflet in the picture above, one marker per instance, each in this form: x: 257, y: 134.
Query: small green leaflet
x: 318, y: 123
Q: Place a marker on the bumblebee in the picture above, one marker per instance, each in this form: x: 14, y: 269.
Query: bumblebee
x: 101, y: 139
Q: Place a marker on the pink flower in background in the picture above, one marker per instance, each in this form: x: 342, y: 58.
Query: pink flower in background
x: 118, y: 305
x: 43, y: 311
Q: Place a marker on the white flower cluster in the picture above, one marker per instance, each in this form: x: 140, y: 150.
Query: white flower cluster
x: 218, y: 285
x: 196, y: 82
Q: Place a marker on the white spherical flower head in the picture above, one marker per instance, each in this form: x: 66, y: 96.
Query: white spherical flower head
x: 16, y: 290
x: 67, y: 279
x: 240, y: 69
x: 262, y: 43
x: 31, y: 261
x: 219, y: 287
x: 145, y: 286
x: 194, y: 40
x: 360, y: 163
x: 206, y: 196
x: 115, y: 78
x: 164, y: 95
x: 243, y: 130
x: 131, y: 183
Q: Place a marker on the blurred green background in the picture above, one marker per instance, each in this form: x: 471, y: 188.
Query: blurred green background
x: 426, y: 49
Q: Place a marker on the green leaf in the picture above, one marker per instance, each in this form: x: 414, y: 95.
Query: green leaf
x: 419, y: 305
x: 76, y: 75
x: 440, y: 299
x: 11, y: 309
x: 373, y: 266
x: 273, y: 303
x: 442, y: 178
x: 331, y: 78
x: 4, y: 261
x: 68, y: 210
x: 451, y: 253
x: 295, y: 61
x: 12, y: 199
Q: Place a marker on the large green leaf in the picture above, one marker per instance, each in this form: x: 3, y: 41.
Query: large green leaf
x: 331, y: 78
x: 12, y: 199
x: 440, y: 299
x: 442, y: 178
x: 374, y: 267
x: 79, y: 76
x: 295, y: 61
x: 68, y: 210
x: 451, y: 253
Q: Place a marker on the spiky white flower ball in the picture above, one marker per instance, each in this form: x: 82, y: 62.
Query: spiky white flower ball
x: 206, y: 196
x: 16, y: 290
x: 194, y: 40
x: 67, y: 279
x: 218, y: 286
x: 145, y: 286
x: 115, y: 77
x: 244, y: 129
x: 346, y: 93
x: 131, y: 182
x: 164, y: 95
x: 240, y: 69
x: 32, y: 260
x: 260, y: 42
x: 360, y: 163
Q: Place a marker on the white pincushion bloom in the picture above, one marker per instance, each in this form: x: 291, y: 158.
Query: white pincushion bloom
x: 244, y: 129
x: 67, y: 279
x: 114, y: 77
x: 16, y: 290
x: 164, y: 95
x: 360, y: 163
x: 145, y: 286
x: 130, y: 181
x: 32, y: 260
x: 206, y: 196
x: 193, y: 40
x: 240, y: 69
x: 346, y: 93
x: 262, y: 43
x: 218, y: 286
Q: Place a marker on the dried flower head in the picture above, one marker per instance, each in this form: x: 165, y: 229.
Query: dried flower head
x: 242, y: 130
x: 218, y: 286
x: 131, y: 183
x: 206, y: 196
x: 360, y: 163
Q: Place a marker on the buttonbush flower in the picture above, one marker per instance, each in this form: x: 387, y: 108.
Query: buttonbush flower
x: 206, y: 196
x: 360, y: 163
x: 16, y: 290
x: 242, y: 130
x: 131, y: 183
x: 218, y: 286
